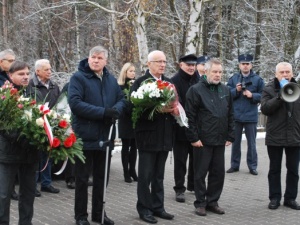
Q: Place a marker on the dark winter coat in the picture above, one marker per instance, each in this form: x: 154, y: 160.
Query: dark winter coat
x: 157, y: 134
x: 15, y: 148
x: 3, y: 77
x: 88, y: 97
x: 50, y: 94
x: 183, y: 82
x: 210, y: 113
x: 125, y: 126
x: 283, y: 122
x: 245, y: 109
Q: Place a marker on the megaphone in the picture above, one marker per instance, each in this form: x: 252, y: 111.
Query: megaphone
x: 290, y: 92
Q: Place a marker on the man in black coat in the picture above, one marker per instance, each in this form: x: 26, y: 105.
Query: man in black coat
x: 282, y: 133
x: 183, y: 79
x: 154, y: 140
x: 211, y: 127
x: 7, y: 57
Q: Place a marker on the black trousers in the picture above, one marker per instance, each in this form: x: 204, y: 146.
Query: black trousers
x: 209, y: 159
x: 182, y: 151
x: 27, y: 183
x: 292, y: 177
x: 96, y: 159
x: 129, y: 154
x: 150, y: 187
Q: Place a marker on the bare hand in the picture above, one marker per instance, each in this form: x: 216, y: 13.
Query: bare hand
x: 238, y: 87
x: 197, y: 144
x: 247, y: 93
x: 227, y: 143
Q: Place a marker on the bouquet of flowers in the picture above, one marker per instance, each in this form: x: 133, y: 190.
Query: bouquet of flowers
x: 46, y: 129
x: 155, y: 95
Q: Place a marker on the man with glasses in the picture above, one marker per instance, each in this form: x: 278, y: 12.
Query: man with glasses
x: 7, y: 57
x: 246, y: 88
x: 183, y: 79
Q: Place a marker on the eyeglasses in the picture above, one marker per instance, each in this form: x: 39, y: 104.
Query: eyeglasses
x: 160, y: 62
x: 245, y: 64
x: 9, y: 60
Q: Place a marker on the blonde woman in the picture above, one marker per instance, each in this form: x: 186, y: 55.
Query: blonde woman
x: 126, y: 133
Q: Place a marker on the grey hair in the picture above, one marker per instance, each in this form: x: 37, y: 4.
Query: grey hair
x: 210, y: 62
x: 99, y: 49
x: 40, y: 62
x: 6, y: 52
x: 283, y: 64
x: 151, y: 54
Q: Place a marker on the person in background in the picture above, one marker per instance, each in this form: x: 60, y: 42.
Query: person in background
x: 183, y: 80
x: 17, y: 156
x: 282, y: 134
x: 125, y: 127
x: 50, y: 92
x: 209, y: 110
x: 96, y: 101
x: 201, y: 60
x: 246, y: 88
x: 7, y: 57
x: 154, y: 140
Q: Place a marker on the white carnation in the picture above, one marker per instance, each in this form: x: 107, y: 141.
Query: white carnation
x: 40, y: 122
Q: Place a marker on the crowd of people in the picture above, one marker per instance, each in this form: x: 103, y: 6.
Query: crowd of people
x: 217, y: 114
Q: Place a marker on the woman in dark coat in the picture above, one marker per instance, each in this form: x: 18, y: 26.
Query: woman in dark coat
x: 126, y: 133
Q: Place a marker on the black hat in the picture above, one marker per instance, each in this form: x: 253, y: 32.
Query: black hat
x: 189, y: 59
x: 246, y: 58
x: 203, y: 59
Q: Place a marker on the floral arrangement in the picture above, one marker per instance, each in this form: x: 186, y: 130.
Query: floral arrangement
x: 45, y: 129
x: 154, y: 96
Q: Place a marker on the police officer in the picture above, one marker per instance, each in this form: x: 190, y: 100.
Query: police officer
x: 246, y: 88
x: 201, y: 60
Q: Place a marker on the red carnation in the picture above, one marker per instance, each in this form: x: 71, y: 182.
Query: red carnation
x: 33, y: 102
x: 20, y: 106
x: 68, y: 142
x: 63, y: 124
x: 13, y: 91
x: 56, y: 142
x: 73, y: 137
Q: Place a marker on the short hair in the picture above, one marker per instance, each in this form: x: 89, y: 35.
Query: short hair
x: 18, y: 65
x: 210, y: 62
x: 283, y: 64
x: 151, y: 54
x: 98, y: 49
x: 6, y: 52
x: 123, y: 73
x: 40, y: 62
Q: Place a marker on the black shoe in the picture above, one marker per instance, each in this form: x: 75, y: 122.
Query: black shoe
x: 179, y: 197
x: 274, y: 204
x: 292, y: 204
x: 164, y: 215
x: 106, y: 221
x: 232, y: 170
x: 82, y: 222
x: 50, y: 189
x: 253, y: 172
x: 127, y: 178
x: 148, y: 218
x: 14, y: 195
x: 215, y: 209
x: 71, y: 185
x: 134, y: 176
x: 90, y: 183
x: 37, y: 193
x: 190, y: 188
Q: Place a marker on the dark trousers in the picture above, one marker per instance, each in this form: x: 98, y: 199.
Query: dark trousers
x: 182, y: 151
x: 8, y: 173
x: 44, y: 173
x: 250, y: 133
x: 150, y: 187
x: 128, y: 154
x: 96, y: 159
x: 209, y: 159
x: 292, y: 177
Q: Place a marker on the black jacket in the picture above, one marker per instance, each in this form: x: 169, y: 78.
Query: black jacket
x: 183, y: 82
x: 49, y: 95
x: 210, y: 113
x: 15, y: 148
x: 3, y: 77
x: 156, y: 134
x: 283, y: 122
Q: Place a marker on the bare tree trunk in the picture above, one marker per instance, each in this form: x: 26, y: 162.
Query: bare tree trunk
x: 4, y: 20
x: 77, y: 35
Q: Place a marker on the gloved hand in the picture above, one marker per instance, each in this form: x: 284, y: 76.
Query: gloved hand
x: 111, y: 113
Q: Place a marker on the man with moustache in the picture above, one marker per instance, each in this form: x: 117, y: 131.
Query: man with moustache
x: 211, y: 127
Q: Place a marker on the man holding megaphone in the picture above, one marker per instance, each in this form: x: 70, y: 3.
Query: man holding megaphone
x: 282, y: 133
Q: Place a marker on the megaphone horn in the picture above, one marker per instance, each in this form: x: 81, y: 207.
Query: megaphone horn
x: 290, y: 92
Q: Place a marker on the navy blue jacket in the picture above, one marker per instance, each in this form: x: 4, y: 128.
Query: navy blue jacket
x: 245, y: 109
x: 88, y: 97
